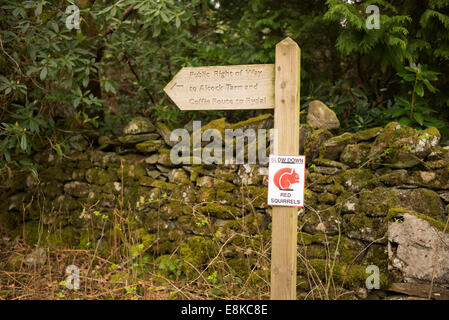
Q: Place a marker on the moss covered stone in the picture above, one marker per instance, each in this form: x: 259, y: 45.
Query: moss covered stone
x: 206, y: 194
x: 231, y: 198
x: 36, y: 234
x: 394, y: 178
x: 403, y: 147
x: 330, y: 163
x: 139, y: 125
x: 149, y: 146
x: 331, y: 148
x: 197, y: 251
x: 133, y: 139
x: 130, y: 171
x: 354, y: 155
x: 438, y: 158
x: 327, y: 198
x: 317, y: 178
x: 367, y: 134
x: 377, y: 255
x: 223, y: 185
x: 377, y: 202
x: 220, y: 211
x: 185, y: 193
x: 66, y: 203
x: 171, y: 210
x: 256, y: 196
x: 165, y: 132
x: 306, y: 239
x: 178, y: 176
x: 77, y: 189
x: 164, y: 157
x: 100, y: 176
x: 313, y: 142
x: 348, y: 251
x: 163, y: 185
x: 361, y: 227
x: 394, y: 215
x: 56, y: 173
x: 357, y: 179
x: 350, y: 276
x: 264, y: 121
x: 226, y: 173
x: 324, y: 219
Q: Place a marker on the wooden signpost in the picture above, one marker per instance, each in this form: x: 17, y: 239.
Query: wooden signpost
x: 262, y: 86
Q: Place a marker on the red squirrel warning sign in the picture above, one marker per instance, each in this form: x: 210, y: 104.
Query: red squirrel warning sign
x: 286, y: 176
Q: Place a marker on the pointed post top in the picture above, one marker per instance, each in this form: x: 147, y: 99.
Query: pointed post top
x: 287, y: 42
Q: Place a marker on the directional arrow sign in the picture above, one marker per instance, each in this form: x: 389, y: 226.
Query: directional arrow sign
x: 223, y: 87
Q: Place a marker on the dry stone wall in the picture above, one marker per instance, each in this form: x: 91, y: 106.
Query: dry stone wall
x: 363, y: 191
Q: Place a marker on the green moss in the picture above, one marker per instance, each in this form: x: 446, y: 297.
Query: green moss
x: 313, y: 142
x: 55, y: 173
x: 219, y: 211
x: 367, y: 134
x: 197, y: 251
x: 357, y: 179
x: 163, y: 185
x: 256, y: 196
x: 351, y: 276
x: 432, y: 132
x: 318, y: 178
x: 426, y: 202
x: 206, y: 194
x: 225, y: 173
x: 42, y: 235
x: 377, y: 255
x: 65, y: 238
x: 130, y: 171
x: 394, y: 178
x: 378, y: 201
x: 359, y: 226
x: 120, y: 278
x: 164, y: 157
x: 218, y: 124
x: 100, y: 176
x: 139, y: 125
x: 331, y: 148
x: 252, y: 122
x: 238, y: 240
x: 149, y: 146
x: 223, y: 185
x: 327, y: 198
x: 304, y: 238
x: 171, y: 210
x: 345, y: 137
x: 395, y: 213
x: 228, y: 198
x: 241, y: 267
x: 330, y: 163
x: 349, y: 251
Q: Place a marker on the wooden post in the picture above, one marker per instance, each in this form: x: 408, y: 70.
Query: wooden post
x: 206, y: 88
x: 286, y: 121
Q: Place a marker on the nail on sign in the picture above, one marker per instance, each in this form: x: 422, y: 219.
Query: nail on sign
x: 223, y: 87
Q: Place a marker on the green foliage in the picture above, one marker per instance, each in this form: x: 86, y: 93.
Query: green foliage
x: 416, y: 110
x: 57, y: 84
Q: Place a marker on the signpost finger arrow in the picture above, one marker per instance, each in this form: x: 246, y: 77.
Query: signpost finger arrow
x: 223, y: 87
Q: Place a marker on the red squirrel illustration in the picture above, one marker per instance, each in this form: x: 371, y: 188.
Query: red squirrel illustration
x: 285, y: 177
